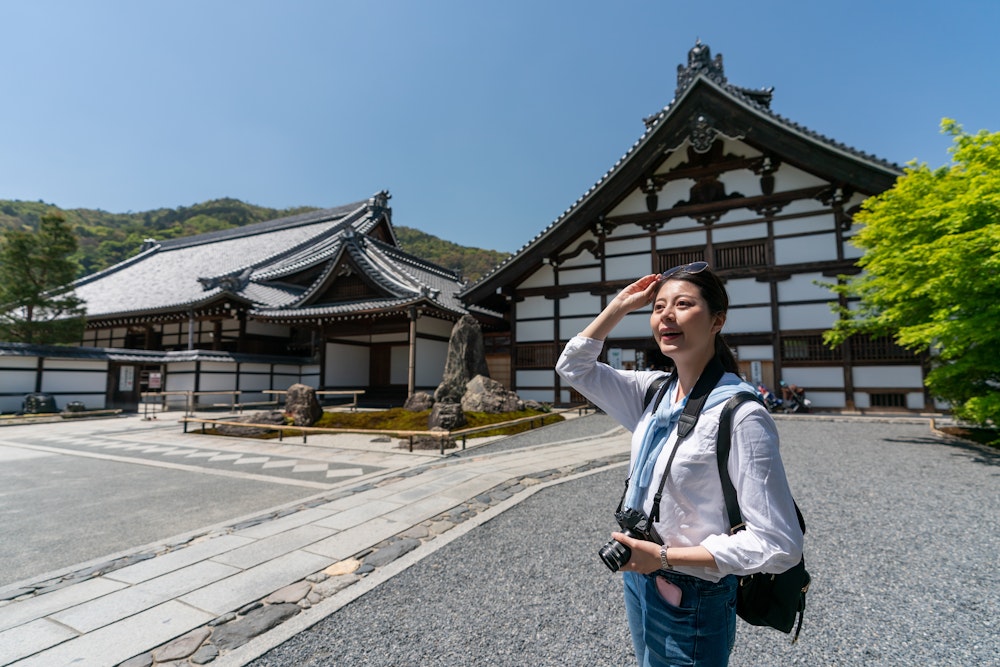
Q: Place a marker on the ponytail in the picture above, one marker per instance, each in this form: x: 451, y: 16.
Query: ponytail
x: 725, y: 355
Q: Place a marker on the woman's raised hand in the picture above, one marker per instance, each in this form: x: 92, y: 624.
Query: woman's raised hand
x: 638, y: 294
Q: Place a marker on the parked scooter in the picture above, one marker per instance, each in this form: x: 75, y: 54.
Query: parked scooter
x: 793, y: 398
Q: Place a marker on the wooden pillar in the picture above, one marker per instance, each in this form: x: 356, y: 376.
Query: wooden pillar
x: 411, y: 377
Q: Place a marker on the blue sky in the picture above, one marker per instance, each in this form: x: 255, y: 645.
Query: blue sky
x: 485, y: 121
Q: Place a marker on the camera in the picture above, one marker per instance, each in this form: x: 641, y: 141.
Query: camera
x: 634, y: 524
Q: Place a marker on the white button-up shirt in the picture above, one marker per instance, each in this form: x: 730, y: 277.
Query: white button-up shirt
x: 693, y: 509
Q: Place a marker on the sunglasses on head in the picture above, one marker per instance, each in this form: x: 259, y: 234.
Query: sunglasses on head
x: 693, y: 267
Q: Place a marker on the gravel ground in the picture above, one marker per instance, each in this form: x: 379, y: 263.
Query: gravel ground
x: 902, y: 543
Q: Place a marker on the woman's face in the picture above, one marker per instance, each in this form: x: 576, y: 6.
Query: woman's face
x: 682, y: 324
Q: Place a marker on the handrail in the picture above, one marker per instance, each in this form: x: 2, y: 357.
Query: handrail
x: 441, y: 435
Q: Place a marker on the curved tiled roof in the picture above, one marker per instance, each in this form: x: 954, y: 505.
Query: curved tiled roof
x: 757, y: 101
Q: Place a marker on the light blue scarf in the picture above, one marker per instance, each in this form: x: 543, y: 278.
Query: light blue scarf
x: 660, y: 427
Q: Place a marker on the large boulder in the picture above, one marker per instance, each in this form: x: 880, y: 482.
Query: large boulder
x: 419, y: 402
x: 447, y: 416
x: 483, y: 394
x: 302, y: 405
x: 466, y: 359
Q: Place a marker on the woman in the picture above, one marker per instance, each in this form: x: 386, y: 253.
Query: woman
x: 680, y: 597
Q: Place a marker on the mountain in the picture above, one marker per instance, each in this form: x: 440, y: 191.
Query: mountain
x: 108, y: 238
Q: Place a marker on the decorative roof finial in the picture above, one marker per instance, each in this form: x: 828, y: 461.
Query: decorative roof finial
x: 699, y: 62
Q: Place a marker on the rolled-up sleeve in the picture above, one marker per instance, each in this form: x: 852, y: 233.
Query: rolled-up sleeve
x: 619, y: 393
x: 772, y: 539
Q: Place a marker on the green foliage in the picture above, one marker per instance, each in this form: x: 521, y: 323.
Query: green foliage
x: 932, y: 272
x: 471, y: 263
x: 35, y: 268
x: 108, y: 238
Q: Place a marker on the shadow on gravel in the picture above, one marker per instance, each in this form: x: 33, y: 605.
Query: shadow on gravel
x: 978, y: 453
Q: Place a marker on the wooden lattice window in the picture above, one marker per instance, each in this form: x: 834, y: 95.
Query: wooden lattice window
x: 741, y: 255
x: 887, y: 400
x: 678, y: 256
x: 536, y: 355
x: 878, y: 348
x: 807, y: 348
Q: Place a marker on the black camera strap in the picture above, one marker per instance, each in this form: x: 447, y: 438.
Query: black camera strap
x: 685, y: 424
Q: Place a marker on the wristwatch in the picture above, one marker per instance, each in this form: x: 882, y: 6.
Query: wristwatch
x: 664, y: 563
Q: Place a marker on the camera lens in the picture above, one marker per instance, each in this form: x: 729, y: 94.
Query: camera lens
x: 614, y: 554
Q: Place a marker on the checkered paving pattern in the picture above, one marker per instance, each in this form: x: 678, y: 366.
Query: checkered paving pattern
x: 270, y: 465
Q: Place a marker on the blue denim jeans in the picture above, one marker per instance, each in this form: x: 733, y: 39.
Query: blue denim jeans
x: 701, y: 631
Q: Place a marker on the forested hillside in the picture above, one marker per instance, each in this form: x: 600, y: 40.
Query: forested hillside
x: 107, y: 238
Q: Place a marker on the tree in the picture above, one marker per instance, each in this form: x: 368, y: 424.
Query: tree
x: 932, y: 272
x: 37, y: 304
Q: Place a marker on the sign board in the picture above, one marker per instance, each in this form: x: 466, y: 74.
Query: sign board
x: 155, y: 380
x: 126, y: 378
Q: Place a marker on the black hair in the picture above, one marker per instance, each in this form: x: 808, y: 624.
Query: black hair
x: 714, y: 292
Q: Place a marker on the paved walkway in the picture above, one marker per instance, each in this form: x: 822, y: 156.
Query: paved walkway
x: 375, y: 495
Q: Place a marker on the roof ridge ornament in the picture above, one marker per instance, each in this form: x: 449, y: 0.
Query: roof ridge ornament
x: 701, y: 62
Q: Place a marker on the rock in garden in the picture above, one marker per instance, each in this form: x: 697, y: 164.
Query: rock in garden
x: 446, y: 416
x: 483, y: 394
x: 302, y: 405
x: 466, y: 359
x: 419, y: 402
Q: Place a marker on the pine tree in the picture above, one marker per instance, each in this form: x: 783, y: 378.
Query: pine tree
x: 37, y: 303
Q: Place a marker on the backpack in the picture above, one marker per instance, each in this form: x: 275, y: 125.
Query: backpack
x: 773, y: 600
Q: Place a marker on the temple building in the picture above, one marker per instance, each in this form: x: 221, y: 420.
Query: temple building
x: 716, y: 176
x: 327, y: 298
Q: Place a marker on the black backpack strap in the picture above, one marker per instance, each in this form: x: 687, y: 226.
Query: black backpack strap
x: 654, y: 391
x: 692, y: 410
x: 722, y: 460
x: 702, y: 388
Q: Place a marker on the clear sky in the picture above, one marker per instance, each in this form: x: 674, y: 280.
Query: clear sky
x: 484, y: 120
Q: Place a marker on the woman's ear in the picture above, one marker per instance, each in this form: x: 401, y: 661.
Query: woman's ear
x: 720, y: 321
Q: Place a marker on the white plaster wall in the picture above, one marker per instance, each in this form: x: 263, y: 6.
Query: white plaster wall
x: 818, y: 377
x: 888, y: 377
x: 798, y: 207
x: 574, y: 276
x: 819, y: 248
x: 746, y: 291
x: 19, y: 362
x: 634, y: 203
x: 535, y: 306
x: 754, y: 352
x: 217, y: 382
x: 579, y: 303
x: 285, y: 380
x: 210, y: 366
x: 346, y: 365
x: 740, y: 233
x: 74, y: 364
x: 395, y: 337
x: 535, y: 378
x: 681, y: 239
x: 635, y: 325
x: 748, y: 320
x: 181, y: 366
x: 527, y: 332
x: 571, y: 326
x: 633, y: 245
x: 826, y: 400
x: 791, y: 178
x: 431, y: 356
x: 58, y: 382
x: 255, y: 368
x: 805, y: 316
x: 178, y: 379
x: 812, y: 223
x: 802, y: 287
x: 628, y: 267
x: 540, y: 278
